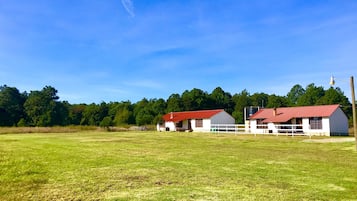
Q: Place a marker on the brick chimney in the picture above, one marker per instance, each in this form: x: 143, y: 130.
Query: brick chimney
x: 274, y: 111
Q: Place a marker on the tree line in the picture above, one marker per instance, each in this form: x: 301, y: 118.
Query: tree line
x: 43, y: 108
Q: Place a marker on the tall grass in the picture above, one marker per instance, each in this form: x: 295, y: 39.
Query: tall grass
x: 54, y: 129
x: 72, y: 129
x: 173, y: 166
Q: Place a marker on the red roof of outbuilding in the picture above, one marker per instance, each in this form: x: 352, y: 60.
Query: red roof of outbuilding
x: 200, y: 114
x: 284, y: 114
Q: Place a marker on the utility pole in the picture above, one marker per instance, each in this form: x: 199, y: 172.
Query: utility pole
x: 332, y: 82
x: 353, y: 109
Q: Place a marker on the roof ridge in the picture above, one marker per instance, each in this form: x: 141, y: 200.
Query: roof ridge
x: 199, y: 110
x: 302, y: 106
x: 178, y: 116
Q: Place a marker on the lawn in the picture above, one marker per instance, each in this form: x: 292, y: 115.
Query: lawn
x: 174, y: 166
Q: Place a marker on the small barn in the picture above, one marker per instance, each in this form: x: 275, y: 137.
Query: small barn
x: 326, y: 120
x: 200, y: 120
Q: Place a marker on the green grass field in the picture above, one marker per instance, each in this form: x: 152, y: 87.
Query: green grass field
x: 174, y: 166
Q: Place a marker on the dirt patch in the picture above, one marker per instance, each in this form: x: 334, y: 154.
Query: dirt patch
x: 331, y: 140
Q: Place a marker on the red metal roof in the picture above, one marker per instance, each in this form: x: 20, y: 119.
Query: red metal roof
x: 284, y: 114
x: 200, y: 114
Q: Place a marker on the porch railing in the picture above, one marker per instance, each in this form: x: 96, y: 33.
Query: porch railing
x: 278, y: 129
x: 229, y: 128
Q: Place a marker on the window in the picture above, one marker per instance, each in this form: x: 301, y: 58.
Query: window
x: 298, y: 121
x: 179, y: 124
x: 261, y: 125
x: 315, y: 122
x: 199, y: 123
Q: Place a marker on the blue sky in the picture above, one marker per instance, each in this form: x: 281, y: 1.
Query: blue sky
x: 117, y: 50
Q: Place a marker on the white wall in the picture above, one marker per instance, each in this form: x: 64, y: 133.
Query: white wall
x: 170, y: 125
x: 272, y: 128
x: 254, y: 129
x: 305, y: 125
x: 253, y: 126
x: 338, y: 123
x: 206, y: 125
x: 222, y: 118
x: 325, y: 131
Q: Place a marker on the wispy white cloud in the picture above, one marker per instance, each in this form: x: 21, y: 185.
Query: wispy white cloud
x: 114, y: 90
x: 129, y: 7
x: 333, y: 25
x: 144, y: 84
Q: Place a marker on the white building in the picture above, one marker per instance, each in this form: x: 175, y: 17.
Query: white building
x: 195, y: 120
x: 326, y: 120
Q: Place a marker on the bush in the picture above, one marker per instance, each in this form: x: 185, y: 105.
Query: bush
x: 22, y: 123
x: 106, y: 122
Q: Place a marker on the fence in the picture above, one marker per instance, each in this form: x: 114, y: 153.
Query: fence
x: 229, y: 128
x: 278, y: 129
x: 289, y: 129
